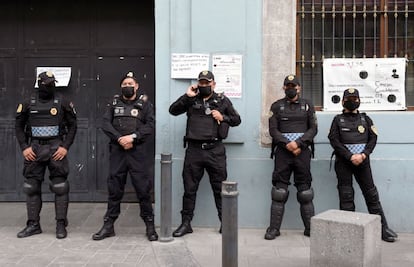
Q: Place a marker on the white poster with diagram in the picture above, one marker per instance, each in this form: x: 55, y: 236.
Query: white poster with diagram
x: 380, y: 82
x: 227, y: 70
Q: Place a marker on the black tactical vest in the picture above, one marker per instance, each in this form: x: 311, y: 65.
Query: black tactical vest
x: 353, y: 132
x: 200, y: 124
x: 45, y: 117
x: 293, y: 121
x: 127, y: 117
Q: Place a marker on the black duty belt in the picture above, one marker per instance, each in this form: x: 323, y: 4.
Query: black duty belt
x: 44, y: 141
x: 205, y: 145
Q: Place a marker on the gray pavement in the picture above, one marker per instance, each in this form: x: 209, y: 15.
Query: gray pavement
x: 130, y: 247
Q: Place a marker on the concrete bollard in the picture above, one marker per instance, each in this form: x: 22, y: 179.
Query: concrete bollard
x: 229, y: 238
x: 345, y: 239
x: 166, y: 199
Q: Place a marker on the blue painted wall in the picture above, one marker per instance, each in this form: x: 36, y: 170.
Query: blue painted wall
x: 234, y: 26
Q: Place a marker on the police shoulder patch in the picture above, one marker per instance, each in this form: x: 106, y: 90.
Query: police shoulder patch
x: 19, y: 108
x: 374, y: 129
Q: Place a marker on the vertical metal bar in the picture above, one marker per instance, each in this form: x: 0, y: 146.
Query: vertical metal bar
x: 166, y: 198
x: 384, y: 29
x: 406, y: 29
x: 375, y: 29
x: 323, y: 30
x: 343, y: 28
x: 395, y: 29
x: 364, y: 15
x: 353, y: 27
x: 303, y: 34
x: 333, y: 28
x: 229, y: 195
x: 313, y: 34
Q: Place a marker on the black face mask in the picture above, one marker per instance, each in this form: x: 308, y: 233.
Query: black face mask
x: 204, y: 90
x: 351, y: 105
x: 291, y: 92
x: 46, y: 92
x: 128, y: 91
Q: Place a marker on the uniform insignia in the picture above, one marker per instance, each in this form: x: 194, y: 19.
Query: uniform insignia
x: 361, y: 129
x: 130, y: 74
x: 291, y: 77
x: 205, y: 72
x: 19, y: 108
x: 72, y: 107
x: 351, y: 90
x: 374, y: 129
x: 53, y: 111
x: 270, y: 114
x: 49, y: 74
x: 134, y: 112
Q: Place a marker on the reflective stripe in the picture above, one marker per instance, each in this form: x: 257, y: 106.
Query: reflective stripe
x: 292, y: 136
x: 45, y: 131
x: 356, y: 148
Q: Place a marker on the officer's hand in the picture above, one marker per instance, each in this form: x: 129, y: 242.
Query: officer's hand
x: 297, y: 151
x: 192, y: 90
x: 217, y: 115
x: 126, y: 139
x: 357, y: 159
x: 60, y: 153
x: 128, y: 146
x: 28, y: 154
x: 291, y: 146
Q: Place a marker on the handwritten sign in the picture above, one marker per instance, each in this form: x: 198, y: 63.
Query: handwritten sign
x: 62, y: 74
x: 188, y: 66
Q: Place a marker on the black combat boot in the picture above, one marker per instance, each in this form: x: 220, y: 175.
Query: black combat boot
x: 61, y: 229
x: 150, y: 231
x: 107, y: 230
x: 184, y: 228
x: 307, y: 210
x: 32, y: 228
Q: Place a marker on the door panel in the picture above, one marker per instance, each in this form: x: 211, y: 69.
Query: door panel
x: 100, y: 41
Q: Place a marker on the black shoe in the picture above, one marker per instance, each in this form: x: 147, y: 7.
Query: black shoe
x: 306, y: 232
x: 107, y: 230
x: 184, y: 228
x: 61, y: 229
x: 32, y: 228
x: 220, y: 229
x: 271, y: 233
x: 388, y: 235
x: 150, y: 231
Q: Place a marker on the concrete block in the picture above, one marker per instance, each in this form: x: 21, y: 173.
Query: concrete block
x: 345, y: 239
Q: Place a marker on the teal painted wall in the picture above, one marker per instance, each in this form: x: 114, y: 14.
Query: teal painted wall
x: 234, y: 26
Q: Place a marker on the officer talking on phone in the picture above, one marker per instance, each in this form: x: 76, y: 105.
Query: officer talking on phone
x: 209, y: 116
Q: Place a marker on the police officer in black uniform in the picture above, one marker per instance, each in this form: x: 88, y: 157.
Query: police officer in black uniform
x: 45, y: 129
x: 128, y: 121
x: 353, y: 137
x: 209, y: 116
x: 292, y: 125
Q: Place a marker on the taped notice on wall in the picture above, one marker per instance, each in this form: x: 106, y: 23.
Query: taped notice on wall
x: 380, y: 82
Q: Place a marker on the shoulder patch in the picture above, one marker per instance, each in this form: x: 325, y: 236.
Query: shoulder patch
x: 374, y: 129
x: 19, y: 108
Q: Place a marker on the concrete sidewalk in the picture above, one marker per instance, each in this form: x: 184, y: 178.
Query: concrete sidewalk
x: 130, y: 247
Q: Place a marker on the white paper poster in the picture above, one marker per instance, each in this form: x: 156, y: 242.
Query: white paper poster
x: 62, y: 74
x: 189, y: 65
x: 380, y: 82
x: 227, y: 70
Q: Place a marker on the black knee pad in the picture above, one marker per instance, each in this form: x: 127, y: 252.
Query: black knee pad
x: 305, y: 196
x: 32, y: 187
x: 372, y: 196
x: 61, y: 188
x: 280, y: 194
x: 346, y: 193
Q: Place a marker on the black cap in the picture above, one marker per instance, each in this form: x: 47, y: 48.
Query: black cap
x: 291, y: 79
x: 351, y: 92
x: 46, y: 78
x: 130, y: 74
x: 206, y: 75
